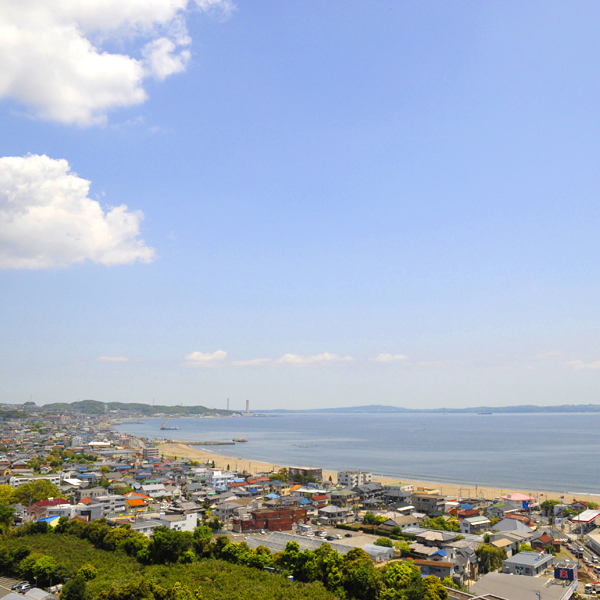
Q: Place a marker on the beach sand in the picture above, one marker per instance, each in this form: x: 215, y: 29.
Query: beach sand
x: 183, y: 450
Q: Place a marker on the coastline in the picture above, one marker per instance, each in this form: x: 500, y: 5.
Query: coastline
x: 184, y: 450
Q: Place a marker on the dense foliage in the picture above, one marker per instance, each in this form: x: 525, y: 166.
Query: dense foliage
x: 107, y: 563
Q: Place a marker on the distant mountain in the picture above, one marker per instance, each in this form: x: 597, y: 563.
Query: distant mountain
x: 95, y: 407
x: 382, y: 408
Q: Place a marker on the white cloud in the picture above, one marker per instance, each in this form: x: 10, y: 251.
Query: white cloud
x: 206, y: 359
x: 47, y: 219
x: 113, y: 359
x: 54, y: 56
x: 580, y: 365
x: 295, y: 360
x: 550, y: 354
x: 388, y: 358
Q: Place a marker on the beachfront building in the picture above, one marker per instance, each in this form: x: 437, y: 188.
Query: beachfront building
x: 308, y: 472
x: 352, y: 479
x: 397, y: 492
x: 151, y: 454
x: 429, y: 503
x: 220, y: 480
x: 518, y: 501
x: 530, y: 564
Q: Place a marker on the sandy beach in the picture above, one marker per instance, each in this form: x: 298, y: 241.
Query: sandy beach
x: 180, y: 449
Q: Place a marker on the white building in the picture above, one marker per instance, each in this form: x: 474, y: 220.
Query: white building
x: 353, y: 478
x: 220, y: 480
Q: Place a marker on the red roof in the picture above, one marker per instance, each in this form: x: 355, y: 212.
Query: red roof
x: 86, y: 501
x: 49, y: 502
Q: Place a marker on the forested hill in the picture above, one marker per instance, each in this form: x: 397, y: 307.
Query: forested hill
x: 95, y: 407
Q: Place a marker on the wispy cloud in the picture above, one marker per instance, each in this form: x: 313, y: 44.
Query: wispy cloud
x: 580, y: 365
x: 219, y: 358
x: 550, y: 354
x: 206, y: 359
x: 390, y: 358
x: 114, y: 359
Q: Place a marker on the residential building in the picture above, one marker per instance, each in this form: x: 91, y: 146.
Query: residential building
x: 351, y: 479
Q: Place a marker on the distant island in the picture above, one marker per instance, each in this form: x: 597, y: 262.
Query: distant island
x: 134, y: 409
x: 482, y: 410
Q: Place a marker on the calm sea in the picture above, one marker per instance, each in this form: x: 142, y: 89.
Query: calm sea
x: 553, y: 452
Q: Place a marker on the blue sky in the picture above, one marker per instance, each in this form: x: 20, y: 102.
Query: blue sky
x: 303, y: 204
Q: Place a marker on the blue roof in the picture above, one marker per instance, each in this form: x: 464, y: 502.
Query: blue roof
x: 253, y: 490
x: 272, y: 496
x: 48, y: 519
x: 305, y: 501
x: 466, y: 506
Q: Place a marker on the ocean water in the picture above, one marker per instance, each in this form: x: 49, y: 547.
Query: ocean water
x: 552, y: 452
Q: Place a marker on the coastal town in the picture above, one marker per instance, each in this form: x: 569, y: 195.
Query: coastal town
x: 57, y: 469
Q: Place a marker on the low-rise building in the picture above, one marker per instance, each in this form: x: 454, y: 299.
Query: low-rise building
x: 527, y: 563
x: 270, y: 519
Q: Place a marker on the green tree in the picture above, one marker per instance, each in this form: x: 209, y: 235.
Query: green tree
x: 38, y: 489
x: 434, y: 590
x: 360, y: 578
x: 7, y: 494
x: 75, y: 589
x: 525, y: 548
x: 7, y: 515
x: 167, y: 545
x: 383, y: 541
x: 489, y: 558
x: 87, y: 572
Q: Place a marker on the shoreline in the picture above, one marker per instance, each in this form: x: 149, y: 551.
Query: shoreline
x: 184, y: 450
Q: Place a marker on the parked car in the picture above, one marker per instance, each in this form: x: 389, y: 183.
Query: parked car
x: 18, y: 585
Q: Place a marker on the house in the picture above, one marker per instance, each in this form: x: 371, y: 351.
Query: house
x: 508, y: 524
x: 345, y: 497
x: 544, y: 542
x: 429, y: 503
x: 332, y: 514
x: 397, y: 492
x: 474, y: 525
x: 438, y: 568
x: 369, y: 492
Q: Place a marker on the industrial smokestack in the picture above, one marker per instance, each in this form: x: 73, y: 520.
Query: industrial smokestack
x: 247, y: 407
x: 227, y: 403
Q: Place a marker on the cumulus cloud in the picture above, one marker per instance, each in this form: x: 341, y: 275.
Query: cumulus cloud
x: 48, y: 220
x: 580, y: 365
x: 55, y: 57
x: 113, y: 359
x: 389, y: 358
x: 206, y: 359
